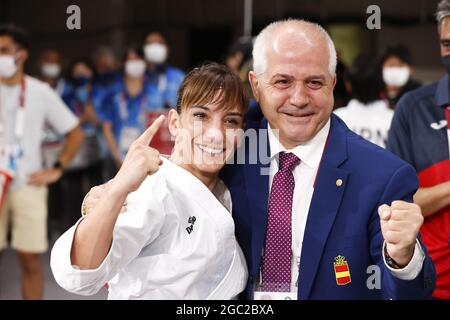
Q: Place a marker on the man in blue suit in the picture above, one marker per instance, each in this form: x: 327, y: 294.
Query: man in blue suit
x: 322, y: 213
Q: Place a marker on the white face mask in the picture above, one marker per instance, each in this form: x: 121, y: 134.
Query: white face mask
x: 135, y: 68
x: 155, y: 53
x: 51, y: 70
x: 396, y: 76
x: 8, y: 67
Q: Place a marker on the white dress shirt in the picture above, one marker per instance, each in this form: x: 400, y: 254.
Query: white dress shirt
x: 310, y: 155
x: 175, y: 241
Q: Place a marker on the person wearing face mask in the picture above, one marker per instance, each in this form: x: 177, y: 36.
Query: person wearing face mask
x: 106, y: 82
x: 86, y: 168
x: 365, y: 113
x: 106, y: 65
x: 107, y: 77
x: 396, y: 70
x: 164, y: 79
x: 26, y: 104
x: 50, y: 68
x: 420, y: 134
x: 50, y: 71
x: 123, y: 113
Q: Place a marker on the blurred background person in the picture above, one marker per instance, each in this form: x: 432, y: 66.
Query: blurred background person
x: 366, y: 114
x: 50, y: 71
x: 25, y: 105
x: 106, y: 82
x: 238, y: 57
x: 86, y: 168
x: 396, y: 71
x: 420, y: 135
x: 341, y: 91
x: 124, y: 112
x: 107, y: 70
x: 239, y: 61
x: 164, y: 79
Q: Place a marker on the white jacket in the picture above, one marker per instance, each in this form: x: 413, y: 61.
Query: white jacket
x: 175, y: 241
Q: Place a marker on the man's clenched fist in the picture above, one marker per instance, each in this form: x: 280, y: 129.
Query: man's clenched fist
x: 400, y: 224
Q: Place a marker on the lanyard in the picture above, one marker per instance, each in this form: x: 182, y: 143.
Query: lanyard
x: 162, y: 83
x: 20, y: 116
x: 123, y: 107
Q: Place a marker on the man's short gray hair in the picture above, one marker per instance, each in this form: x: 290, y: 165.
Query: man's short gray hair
x: 443, y: 11
x: 260, y: 44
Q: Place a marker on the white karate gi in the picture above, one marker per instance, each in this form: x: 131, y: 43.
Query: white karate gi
x: 158, y: 250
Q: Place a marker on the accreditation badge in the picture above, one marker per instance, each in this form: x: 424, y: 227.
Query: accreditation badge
x: 8, y: 167
x: 267, y: 295
x: 9, y: 155
x: 274, y: 292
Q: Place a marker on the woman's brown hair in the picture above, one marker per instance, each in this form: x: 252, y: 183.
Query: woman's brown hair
x: 202, y: 84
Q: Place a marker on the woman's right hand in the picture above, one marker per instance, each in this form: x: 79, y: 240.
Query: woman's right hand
x: 140, y: 161
x: 94, y: 195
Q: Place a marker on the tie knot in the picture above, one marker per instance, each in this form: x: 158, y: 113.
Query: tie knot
x: 288, y: 161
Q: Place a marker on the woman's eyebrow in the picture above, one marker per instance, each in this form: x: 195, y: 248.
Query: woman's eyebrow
x: 201, y: 107
x: 235, y: 114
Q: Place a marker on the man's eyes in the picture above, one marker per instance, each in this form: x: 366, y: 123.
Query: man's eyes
x: 282, y: 83
x: 314, y: 84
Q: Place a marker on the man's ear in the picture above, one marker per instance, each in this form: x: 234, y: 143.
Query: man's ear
x: 173, y: 121
x: 254, y: 84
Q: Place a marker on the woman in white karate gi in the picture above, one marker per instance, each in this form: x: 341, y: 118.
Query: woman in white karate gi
x: 174, y: 238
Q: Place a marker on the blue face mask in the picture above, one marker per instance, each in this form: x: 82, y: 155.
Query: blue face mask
x: 105, y: 77
x: 81, y: 81
x: 82, y: 94
x: 446, y: 62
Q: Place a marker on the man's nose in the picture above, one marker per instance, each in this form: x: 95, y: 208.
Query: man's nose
x: 299, y: 96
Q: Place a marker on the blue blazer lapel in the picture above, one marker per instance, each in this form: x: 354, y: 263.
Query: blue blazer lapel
x: 257, y: 187
x: 324, y: 206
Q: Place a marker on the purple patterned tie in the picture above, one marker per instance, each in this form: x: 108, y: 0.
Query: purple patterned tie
x: 276, y: 269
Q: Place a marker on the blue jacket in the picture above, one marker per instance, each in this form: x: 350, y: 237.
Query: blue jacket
x: 341, y: 220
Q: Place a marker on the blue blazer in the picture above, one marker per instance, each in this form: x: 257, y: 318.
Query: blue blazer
x: 342, y: 221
